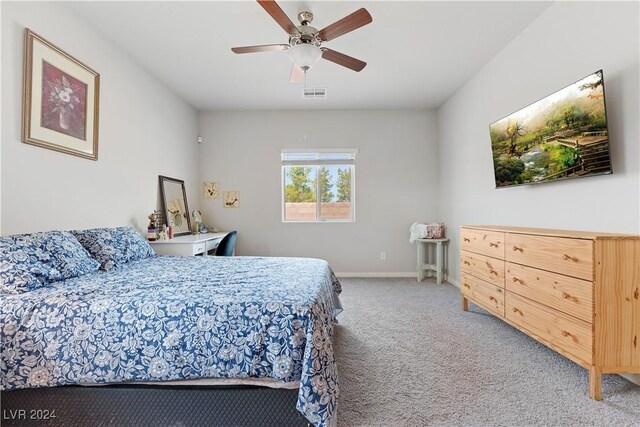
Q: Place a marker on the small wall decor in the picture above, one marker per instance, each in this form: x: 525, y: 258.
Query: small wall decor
x: 61, y: 98
x: 231, y: 199
x: 211, y: 190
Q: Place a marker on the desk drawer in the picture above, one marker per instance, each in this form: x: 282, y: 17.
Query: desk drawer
x: 572, y: 257
x: 483, y: 267
x: 490, y: 243
x: 199, y: 248
x: 486, y: 295
x: 567, y: 294
x: 555, y: 329
x: 212, y: 244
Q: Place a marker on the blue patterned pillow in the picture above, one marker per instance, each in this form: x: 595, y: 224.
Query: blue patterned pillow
x: 14, y: 279
x: 68, y: 255
x: 22, y: 270
x: 29, y: 261
x: 114, y: 247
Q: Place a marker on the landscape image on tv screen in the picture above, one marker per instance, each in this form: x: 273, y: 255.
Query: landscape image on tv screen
x: 561, y: 136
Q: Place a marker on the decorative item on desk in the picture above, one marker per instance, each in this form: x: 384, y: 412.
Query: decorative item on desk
x: 197, y: 217
x: 433, y: 230
x: 162, y: 234
x: 152, y: 228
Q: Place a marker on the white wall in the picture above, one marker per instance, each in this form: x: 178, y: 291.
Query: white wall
x: 567, y: 42
x: 145, y: 131
x: 396, y: 182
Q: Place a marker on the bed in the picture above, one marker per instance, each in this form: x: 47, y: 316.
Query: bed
x: 157, y: 320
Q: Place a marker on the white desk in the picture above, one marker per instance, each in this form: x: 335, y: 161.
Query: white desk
x: 188, y: 245
x: 422, y: 265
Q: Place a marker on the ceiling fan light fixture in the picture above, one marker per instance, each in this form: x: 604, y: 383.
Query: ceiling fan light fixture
x: 305, y: 55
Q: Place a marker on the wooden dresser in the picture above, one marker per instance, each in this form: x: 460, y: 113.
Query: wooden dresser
x: 576, y: 292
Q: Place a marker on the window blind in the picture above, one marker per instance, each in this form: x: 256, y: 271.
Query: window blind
x: 301, y: 157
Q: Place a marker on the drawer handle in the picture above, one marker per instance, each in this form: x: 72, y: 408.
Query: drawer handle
x: 568, y: 257
x: 466, y: 286
x: 566, y: 295
x: 466, y: 262
x: 466, y: 240
x: 493, y: 299
x: 515, y: 279
x: 493, y: 245
x: 515, y: 310
x: 517, y: 249
x: 566, y: 334
x: 490, y: 267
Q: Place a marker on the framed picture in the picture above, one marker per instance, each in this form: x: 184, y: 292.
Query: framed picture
x: 231, y: 199
x: 211, y: 190
x: 60, y: 100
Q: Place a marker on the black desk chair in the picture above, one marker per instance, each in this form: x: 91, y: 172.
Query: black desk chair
x: 227, y: 245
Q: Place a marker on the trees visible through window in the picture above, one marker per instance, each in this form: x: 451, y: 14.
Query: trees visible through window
x: 318, y: 186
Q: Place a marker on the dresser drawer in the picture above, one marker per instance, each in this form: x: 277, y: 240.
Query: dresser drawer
x: 483, y: 267
x: 489, y: 243
x: 555, y: 329
x: 572, y: 257
x: 567, y: 294
x: 486, y: 295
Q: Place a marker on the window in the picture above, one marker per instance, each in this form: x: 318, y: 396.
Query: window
x: 318, y: 185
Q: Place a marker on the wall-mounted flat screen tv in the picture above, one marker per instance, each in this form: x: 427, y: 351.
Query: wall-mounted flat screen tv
x: 558, y: 137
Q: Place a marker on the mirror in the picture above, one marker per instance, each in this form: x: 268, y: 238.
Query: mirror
x: 174, y: 205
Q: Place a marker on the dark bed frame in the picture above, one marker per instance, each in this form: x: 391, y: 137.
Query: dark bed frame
x: 150, y: 405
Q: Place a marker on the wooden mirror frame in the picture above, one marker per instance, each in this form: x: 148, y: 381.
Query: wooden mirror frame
x: 163, y: 200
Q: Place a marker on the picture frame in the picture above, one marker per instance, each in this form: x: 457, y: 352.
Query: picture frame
x: 211, y: 190
x: 231, y: 199
x: 60, y: 108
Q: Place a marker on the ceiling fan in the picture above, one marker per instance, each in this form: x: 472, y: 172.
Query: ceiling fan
x: 305, y: 42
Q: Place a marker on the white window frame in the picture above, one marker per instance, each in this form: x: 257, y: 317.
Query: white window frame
x: 318, y: 157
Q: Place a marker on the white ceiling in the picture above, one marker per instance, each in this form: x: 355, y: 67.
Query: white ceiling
x: 418, y: 53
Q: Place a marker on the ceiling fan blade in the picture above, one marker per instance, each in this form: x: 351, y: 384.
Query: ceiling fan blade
x: 347, y: 24
x: 279, y: 16
x: 296, y: 74
x: 260, y: 48
x: 342, y: 59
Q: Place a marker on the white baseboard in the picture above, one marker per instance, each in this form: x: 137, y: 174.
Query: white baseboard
x: 395, y: 274
x: 634, y: 378
x: 378, y: 274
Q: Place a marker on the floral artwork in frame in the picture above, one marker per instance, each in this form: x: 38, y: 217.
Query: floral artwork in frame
x: 231, y: 199
x: 61, y: 98
x: 211, y: 190
x: 63, y: 102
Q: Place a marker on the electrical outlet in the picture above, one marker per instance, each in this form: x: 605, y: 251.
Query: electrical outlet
x: 383, y: 256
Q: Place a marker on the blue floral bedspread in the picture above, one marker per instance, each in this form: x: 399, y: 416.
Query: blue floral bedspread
x: 169, y: 318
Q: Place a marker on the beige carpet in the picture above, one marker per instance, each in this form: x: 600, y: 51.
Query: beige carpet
x: 408, y: 356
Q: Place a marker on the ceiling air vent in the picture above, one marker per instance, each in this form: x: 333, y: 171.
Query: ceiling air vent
x: 314, y: 93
